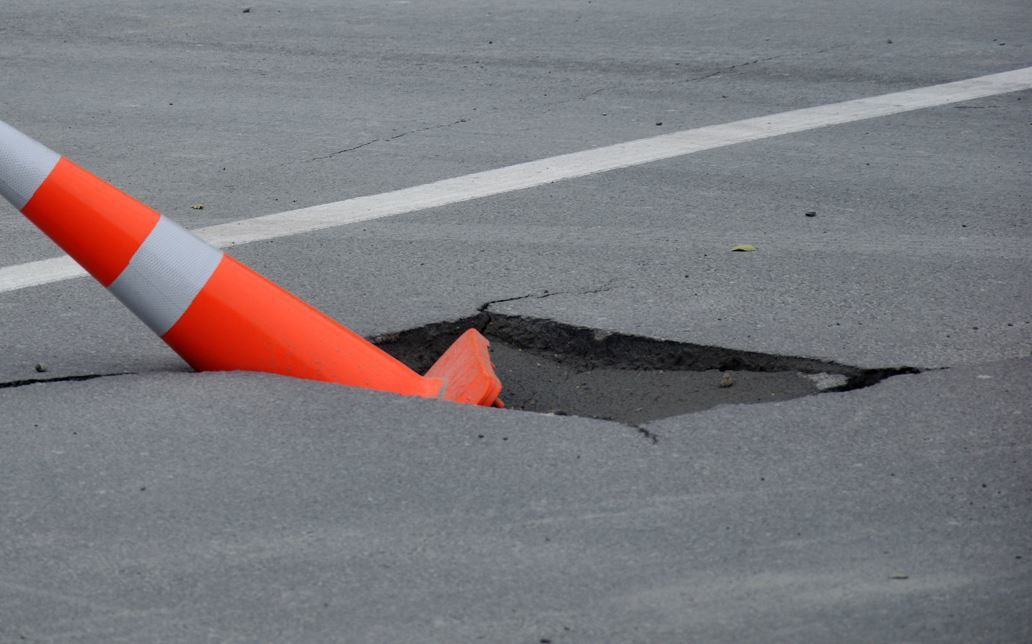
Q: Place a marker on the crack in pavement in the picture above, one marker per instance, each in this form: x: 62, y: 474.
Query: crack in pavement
x: 722, y: 70
x: 36, y: 381
x: 428, y: 128
x: 645, y: 433
x: 651, y: 436
x: 390, y: 138
x: 483, y: 308
x: 756, y: 62
x: 732, y: 68
x: 354, y: 147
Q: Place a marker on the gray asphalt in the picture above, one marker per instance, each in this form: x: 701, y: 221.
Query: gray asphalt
x: 255, y: 508
x: 166, y: 505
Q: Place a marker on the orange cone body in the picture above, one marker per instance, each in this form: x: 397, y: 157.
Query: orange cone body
x: 241, y: 320
x: 212, y: 310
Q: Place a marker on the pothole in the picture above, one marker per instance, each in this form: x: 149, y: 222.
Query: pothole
x: 547, y: 366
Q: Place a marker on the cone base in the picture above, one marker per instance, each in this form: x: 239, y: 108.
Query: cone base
x: 467, y: 372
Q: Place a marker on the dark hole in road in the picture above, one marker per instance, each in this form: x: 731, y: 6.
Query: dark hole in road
x: 547, y: 366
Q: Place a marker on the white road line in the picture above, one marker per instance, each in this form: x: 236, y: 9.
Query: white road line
x: 557, y: 168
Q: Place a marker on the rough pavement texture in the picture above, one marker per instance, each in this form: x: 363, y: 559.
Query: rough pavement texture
x: 282, y: 510
x: 258, y: 508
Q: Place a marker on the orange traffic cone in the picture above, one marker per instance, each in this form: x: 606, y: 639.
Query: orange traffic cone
x: 212, y: 310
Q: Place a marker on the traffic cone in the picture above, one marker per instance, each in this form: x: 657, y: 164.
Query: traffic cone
x: 216, y: 313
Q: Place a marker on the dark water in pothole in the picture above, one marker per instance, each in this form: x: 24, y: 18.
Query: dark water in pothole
x: 546, y: 366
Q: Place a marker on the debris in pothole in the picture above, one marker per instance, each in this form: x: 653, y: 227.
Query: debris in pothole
x: 825, y: 381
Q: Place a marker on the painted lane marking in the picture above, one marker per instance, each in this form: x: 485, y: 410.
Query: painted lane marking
x: 557, y: 168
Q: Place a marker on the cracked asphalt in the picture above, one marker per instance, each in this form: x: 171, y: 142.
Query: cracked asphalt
x: 160, y: 504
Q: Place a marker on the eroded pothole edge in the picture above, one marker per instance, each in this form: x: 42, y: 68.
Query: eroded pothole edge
x: 549, y: 366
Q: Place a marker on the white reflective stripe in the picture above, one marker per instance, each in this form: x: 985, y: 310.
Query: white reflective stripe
x: 167, y: 272
x: 24, y: 164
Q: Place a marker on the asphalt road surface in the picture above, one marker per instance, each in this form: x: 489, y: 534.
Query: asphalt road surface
x: 153, y: 503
